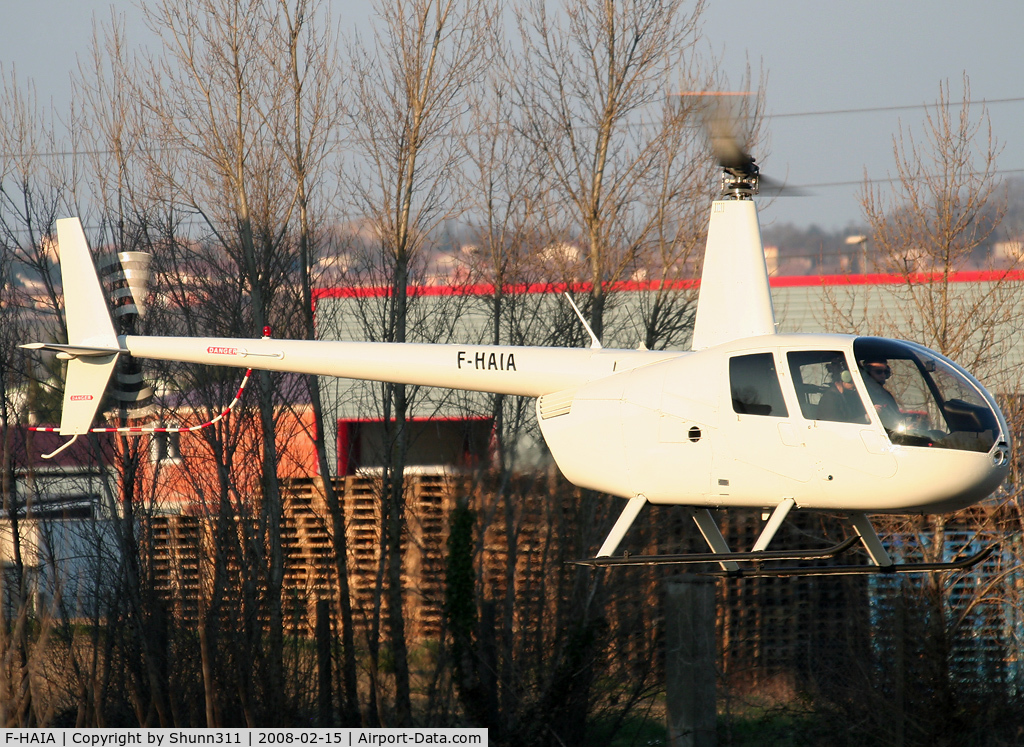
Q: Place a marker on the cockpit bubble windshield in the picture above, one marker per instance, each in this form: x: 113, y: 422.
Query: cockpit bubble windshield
x: 921, y: 399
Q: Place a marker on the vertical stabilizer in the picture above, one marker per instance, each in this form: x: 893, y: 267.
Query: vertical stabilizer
x: 89, y: 324
x: 735, y: 300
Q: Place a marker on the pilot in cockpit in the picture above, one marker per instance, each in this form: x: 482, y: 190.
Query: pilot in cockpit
x: 876, y: 373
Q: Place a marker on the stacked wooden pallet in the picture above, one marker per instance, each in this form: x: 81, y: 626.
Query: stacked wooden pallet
x: 176, y: 542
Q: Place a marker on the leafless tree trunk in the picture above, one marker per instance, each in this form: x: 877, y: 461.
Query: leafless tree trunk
x: 408, y: 95
x: 311, y: 68
x: 217, y: 98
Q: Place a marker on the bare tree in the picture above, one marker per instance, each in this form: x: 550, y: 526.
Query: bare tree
x: 592, y: 87
x: 310, y: 67
x: 408, y: 98
x: 31, y: 192
x: 217, y: 104
x: 937, y: 219
x: 507, y: 233
x: 677, y: 197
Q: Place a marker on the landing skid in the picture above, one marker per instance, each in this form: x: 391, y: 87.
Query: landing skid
x: 858, y: 570
x: 729, y: 562
x: 721, y: 557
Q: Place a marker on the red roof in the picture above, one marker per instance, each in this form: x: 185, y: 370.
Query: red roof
x: 782, y: 281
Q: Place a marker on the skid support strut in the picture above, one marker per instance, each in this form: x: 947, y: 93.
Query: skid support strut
x: 622, y: 525
x: 778, y: 516
x: 713, y: 536
x: 868, y: 535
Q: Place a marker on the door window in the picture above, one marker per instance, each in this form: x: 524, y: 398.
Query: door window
x: 755, y: 386
x: 825, y: 386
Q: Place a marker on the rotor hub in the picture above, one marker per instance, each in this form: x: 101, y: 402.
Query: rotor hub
x: 739, y: 184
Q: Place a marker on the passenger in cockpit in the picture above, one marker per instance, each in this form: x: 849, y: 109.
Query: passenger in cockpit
x: 876, y: 373
x: 841, y: 403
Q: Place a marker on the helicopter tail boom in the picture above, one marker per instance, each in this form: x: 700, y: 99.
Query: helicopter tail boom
x: 93, y: 347
x: 522, y: 371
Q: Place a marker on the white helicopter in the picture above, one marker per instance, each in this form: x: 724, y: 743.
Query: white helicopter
x: 746, y: 418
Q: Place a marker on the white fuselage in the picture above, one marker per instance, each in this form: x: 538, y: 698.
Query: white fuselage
x: 668, y: 431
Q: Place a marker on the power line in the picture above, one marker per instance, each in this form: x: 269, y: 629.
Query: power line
x: 885, y: 180
x: 788, y: 115
x: 906, y: 107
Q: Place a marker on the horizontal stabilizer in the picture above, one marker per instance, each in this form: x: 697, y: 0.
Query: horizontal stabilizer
x: 73, y: 351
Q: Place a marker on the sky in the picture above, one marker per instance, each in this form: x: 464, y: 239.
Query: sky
x: 827, y: 56
x: 818, y: 57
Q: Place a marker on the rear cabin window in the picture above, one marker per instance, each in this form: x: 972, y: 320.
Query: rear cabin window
x: 755, y: 386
